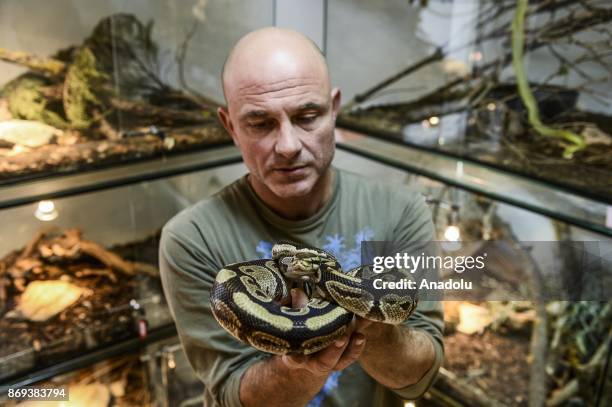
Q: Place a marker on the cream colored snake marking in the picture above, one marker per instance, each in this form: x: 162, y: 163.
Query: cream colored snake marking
x: 247, y: 300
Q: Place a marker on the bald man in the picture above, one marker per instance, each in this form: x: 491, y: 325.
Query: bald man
x: 281, y: 112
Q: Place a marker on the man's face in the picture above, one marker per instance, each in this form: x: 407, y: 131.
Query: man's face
x: 285, y: 130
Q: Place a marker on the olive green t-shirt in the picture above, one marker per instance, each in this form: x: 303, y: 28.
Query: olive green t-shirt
x: 234, y: 225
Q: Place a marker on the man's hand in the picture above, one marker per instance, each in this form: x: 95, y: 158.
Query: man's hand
x: 412, y: 346
x: 339, y: 355
x: 307, y: 374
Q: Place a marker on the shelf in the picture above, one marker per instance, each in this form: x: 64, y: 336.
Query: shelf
x: 395, y: 138
x: 498, y: 185
x: 61, y: 186
x: 89, y: 358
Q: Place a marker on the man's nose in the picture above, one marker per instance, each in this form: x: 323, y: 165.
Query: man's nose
x: 288, y: 143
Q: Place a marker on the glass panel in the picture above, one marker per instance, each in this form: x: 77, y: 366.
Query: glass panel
x: 80, y: 273
x: 121, y: 381
x: 535, y: 196
x: 174, y: 381
x: 445, y: 77
x: 490, y: 346
x: 124, y: 81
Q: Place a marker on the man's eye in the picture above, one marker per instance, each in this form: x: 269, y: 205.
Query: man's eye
x: 260, y: 125
x: 306, y: 119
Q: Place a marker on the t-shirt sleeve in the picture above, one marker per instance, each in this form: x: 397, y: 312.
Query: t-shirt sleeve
x: 415, y: 225
x: 187, y: 272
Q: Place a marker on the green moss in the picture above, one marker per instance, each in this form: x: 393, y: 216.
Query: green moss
x: 27, y: 101
x: 85, y: 89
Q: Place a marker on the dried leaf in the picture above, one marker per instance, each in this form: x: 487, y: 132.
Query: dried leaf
x: 43, y: 299
x: 27, y: 132
x: 473, y: 318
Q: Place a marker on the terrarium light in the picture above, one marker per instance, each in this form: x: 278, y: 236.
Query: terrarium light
x: 409, y: 404
x: 46, y: 211
x: 171, y: 361
x: 452, y: 233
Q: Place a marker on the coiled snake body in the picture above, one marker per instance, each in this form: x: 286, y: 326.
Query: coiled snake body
x: 247, y: 300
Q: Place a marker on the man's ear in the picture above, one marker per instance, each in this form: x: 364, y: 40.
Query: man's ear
x: 336, y: 97
x: 224, y: 118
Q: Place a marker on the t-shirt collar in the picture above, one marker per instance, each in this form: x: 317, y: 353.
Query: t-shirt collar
x: 301, y: 224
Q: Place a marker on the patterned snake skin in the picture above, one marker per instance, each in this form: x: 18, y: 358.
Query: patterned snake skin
x: 247, y: 300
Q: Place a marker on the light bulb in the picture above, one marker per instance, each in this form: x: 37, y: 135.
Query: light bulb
x: 46, y: 211
x: 171, y: 362
x: 452, y: 233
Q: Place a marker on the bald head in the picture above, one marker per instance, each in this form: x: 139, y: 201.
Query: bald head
x: 270, y: 55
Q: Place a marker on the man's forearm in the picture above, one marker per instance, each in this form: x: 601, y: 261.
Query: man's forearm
x: 397, y: 356
x: 271, y: 383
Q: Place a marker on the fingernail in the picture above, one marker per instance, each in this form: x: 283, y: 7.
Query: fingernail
x: 340, y: 343
x: 359, y: 339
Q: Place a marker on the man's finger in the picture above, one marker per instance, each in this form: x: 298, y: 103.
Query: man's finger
x: 352, y: 351
x: 323, y: 361
x: 362, y: 323
x: 294, y: 361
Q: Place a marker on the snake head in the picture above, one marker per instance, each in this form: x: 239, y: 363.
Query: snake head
x: 280, y: 250
x: 294, y: 268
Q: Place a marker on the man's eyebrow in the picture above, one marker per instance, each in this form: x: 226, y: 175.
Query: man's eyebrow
x: 254, y: 114
x: 312, y: 106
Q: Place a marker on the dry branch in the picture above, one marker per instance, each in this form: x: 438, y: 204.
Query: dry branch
x: 164, y: 113
x: 106, y: 257
x: 47, y: 66
x: 27, y: 252
x: 450, y: 384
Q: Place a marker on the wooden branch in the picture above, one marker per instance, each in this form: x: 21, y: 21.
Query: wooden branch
x: 574, y: 23
x: 146, y: 268
x: 538, y: 384
x: 107, y: 257
x: 105, y: 127
x: 48, y: 66
x: 114, y: 261
x: 148, y: 110
x: 449, y: 384
x: 563, y: 394
x: 32, y: 245
x: 436, y: 56
x: 98, y: 272
x: 193, y: 94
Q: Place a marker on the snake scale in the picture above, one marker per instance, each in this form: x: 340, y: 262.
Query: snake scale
x: 247, y: 300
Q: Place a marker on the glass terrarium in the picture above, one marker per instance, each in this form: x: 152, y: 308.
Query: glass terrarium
x: 517, y: 85
x: 505, y: 342
x: 78, y: 276
x: 121, y: 381
x: 123, y: 81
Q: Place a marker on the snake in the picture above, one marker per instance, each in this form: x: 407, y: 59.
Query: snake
x: 250, y: 300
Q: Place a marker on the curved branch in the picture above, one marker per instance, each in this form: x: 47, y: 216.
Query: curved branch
x: 576, y: 142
